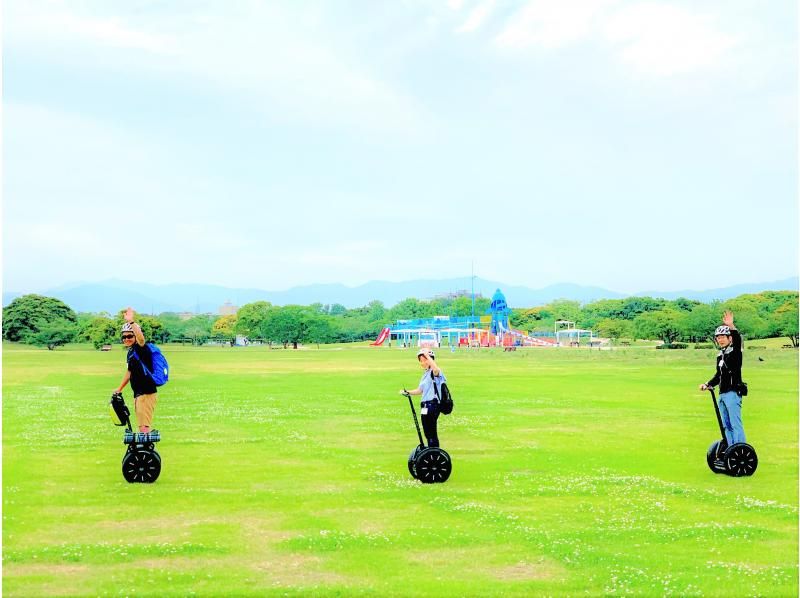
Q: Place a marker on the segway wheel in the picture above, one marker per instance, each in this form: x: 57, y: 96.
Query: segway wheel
x: 412, y: 459
x: 143, y: 467
x: 714, y: 457
x: 433, y: 466
x: 741, y: 460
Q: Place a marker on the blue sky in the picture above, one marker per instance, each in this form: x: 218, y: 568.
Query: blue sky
x: 627, y: 144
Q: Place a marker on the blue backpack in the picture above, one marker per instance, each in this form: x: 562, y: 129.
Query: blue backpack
x: 160, y: 373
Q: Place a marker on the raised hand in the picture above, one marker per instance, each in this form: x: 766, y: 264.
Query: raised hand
x: 727, y: 319
x: 129, y: 314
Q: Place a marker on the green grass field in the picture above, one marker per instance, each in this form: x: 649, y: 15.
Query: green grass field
x: 284, y: 473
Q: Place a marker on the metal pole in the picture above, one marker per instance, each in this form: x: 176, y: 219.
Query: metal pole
x: 472, y: 279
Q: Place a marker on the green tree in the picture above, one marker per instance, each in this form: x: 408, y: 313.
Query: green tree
x: 337, y: 309
x: 52, y: 333
x: 24, y: 315
x: 665, y: 325
x: 700, y: 323
x: 564, y: 309
x: 633, y: 306
x: 198, y: 328
x: 319, y: 329
x: 100, y: 330
x: 614, y: 328
x: 534, y: 318
x: 787, y: 317
x: 251, y: 316
x: 410, y: 309
x: 285, y: 325
x: 376, y: 311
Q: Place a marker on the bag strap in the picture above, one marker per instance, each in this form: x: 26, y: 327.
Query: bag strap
x: 435, y: 388
x: 144, y: 367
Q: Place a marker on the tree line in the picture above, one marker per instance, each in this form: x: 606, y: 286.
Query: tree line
x: 46, y: 321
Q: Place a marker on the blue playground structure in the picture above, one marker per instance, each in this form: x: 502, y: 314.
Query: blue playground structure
x: 491, y: 329
x: 499, y: 311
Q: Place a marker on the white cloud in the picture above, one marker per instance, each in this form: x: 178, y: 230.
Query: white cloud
x: 661, y: 39
x: 477, y: 16
x: 551, y: 25
x: 282, y: 65
x: 654, y: 38
x: 53, y: 22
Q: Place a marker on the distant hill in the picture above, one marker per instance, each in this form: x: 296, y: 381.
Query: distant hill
x: 112, y: 295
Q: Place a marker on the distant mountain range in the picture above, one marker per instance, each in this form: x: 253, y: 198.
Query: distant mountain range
x: 112, y: 295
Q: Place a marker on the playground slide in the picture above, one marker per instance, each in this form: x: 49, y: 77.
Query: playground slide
x: 381, y: 337
x: 537, y: 342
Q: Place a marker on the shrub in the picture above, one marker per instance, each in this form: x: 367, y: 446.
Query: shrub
x: 673, y: 346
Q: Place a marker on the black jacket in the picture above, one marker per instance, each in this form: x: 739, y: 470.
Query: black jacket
x: 141, y: 383
x: 729, y: 365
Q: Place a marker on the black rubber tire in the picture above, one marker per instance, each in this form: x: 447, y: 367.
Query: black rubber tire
x: 741, y: 460
x: 141, y: 466
x: 412, y: 459
x: 714, y: 457
x: 433, y: 466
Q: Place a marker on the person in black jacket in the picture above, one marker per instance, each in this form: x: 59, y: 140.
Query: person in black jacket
x: 145, y: 392
x: 729, y: 379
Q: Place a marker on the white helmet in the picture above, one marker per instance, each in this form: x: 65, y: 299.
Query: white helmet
x: 126, y: 327
x: 722, y: 330
x: 424, y: 351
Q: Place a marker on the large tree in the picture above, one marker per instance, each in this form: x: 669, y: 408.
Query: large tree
x: 52, y: 333
x: 285, y: 325
x: 100, y: 330
x: 614, y: 328
x: 787, y: 316
x: 665, y: 325
x: 700, y: 323
x: 27, y: 314
x: 251, y: 317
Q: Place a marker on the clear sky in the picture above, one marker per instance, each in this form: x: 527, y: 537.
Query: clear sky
x: 627, y: 144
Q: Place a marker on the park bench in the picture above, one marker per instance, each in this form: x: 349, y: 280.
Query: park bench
x: 105, y: 348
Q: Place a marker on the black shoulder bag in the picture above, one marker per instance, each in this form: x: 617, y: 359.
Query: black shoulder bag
x: 446, y: 399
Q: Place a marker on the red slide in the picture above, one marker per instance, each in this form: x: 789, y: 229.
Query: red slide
x: 381, y: 337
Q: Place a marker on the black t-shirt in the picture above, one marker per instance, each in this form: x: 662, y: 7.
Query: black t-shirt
x: 141, y: 384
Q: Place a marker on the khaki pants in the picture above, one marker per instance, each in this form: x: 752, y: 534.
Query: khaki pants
x: 145, y: 406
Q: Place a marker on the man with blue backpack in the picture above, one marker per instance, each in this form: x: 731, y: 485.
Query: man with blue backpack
x: 147, y: 370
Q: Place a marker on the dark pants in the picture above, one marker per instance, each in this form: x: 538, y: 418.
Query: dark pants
x: 429, y: 422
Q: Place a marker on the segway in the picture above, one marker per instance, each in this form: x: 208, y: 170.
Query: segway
x: 737, y: 460
x: 429, y: 465
x: 141, y: 462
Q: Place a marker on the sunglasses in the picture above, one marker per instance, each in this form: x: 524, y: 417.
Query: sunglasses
x: 126, y: 337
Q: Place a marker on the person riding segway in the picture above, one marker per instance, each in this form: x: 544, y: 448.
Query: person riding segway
x: 731, y: 454
x: 147, y: 370
x: 429, y: 464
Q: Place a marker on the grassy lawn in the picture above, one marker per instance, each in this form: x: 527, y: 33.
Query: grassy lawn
x: 284, y: 473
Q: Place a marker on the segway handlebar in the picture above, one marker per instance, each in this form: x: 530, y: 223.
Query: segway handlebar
x: 716, y: 410
x: 407, y: 395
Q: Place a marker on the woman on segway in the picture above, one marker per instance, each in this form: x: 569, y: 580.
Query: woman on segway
x: 429, y: 386
x: 729, y: 379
